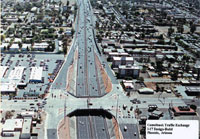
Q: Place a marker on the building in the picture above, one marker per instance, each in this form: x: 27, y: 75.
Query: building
x: 14, y: 47
x: 122, y: 61
x: 128, y: 85
x: 116, y: 54
x: 16, y: 74
x: 28, y: 114
x: 192, y: 90
x: 183, y: 110
x: 26, y: 47
x: 40, y: 46
x: 26, y: 130
x: 197, y: 66
x: 4, y: 46
x: 8, y: 88
x: 3, y: 70
x: 68, y: 32
x: 129, y: 71
x: 146, y: 91
x: 36, y: 75
x: 12, y: 125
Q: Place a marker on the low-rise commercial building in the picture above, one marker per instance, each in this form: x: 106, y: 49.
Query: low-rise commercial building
x: 8, y: 88
x: 146, y: 91
x: 26, y: 130
x: 3, y: 70
x: 12, y: 125
x: 16, y: 74
x: 40, y: 46
x: 36, y: 74
x: 183, y: 110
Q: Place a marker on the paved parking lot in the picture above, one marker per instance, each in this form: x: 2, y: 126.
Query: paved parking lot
x: 50, y: 63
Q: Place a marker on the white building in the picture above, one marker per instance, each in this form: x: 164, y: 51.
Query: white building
x: 16, y: 40
x: 40, y: 46
x: 14, y: 47
x: 7, y: 88
x: 4, y: 45
x: 25, y: 46
x: 3, y: 70
x: 36, y: 74
x: 28, y: 114
x: 122, y: 61
x: 26, y: 130
x: 146, y: 91
x: 12, y: 125
x: 16, y: 74
x: 117, y: 54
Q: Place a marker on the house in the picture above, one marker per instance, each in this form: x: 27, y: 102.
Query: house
x: 129, y: 70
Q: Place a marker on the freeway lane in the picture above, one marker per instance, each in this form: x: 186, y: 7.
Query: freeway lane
x: 83, y: 128
x: 91, y: 127
x: 88, y: 79
x: 88, y: 127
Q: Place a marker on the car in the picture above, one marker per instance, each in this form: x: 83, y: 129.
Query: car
x: 15, y: 100
x: 125, y: 128
x: 38, y: 104
x: 152, y: 107
x: 31, y: 103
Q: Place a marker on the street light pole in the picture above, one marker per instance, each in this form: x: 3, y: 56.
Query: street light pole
x: 117, y: 105
x: 64, y: 110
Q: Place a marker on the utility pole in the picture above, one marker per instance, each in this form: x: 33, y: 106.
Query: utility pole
x: 117, y: 105
x: 64, y: 110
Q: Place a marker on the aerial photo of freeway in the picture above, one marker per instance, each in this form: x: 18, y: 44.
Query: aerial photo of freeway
x: 98, y: 69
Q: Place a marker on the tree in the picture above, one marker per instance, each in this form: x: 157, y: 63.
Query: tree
x: 2, y: 37
x: 8, y: 115
x: 61, y: 30
x: 65, y: 50
x: 159, y: 65
x: 27, y: 48
x: 174, y: 75
x: 144, y: 69
x: 194, y: 107
x: 170, y: 31
x: 140, y: 79
x: 192, y: 28
x: 20, y: 45
x: 72, y: 30
x: 180, y: 29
